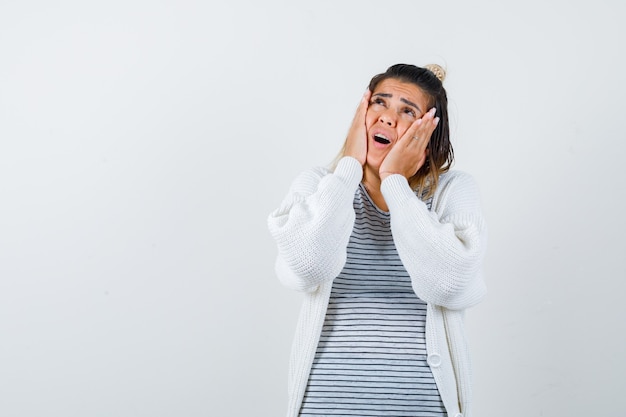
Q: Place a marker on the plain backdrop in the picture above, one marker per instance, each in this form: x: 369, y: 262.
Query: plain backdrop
x: 143, y: 144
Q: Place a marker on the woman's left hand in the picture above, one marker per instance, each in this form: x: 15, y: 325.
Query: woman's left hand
x: 409, y: 154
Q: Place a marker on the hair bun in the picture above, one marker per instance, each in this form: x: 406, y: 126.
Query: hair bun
x: 438, y: 70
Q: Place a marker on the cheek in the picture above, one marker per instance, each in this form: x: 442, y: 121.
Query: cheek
x: 402, y: 127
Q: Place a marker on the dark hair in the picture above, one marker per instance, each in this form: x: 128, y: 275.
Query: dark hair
x: 440, y: 153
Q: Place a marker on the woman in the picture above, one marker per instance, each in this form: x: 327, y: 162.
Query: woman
x: 388, y: 248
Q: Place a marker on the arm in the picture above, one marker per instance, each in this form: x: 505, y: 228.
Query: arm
x: 313, y: 224
x: 442, y: 249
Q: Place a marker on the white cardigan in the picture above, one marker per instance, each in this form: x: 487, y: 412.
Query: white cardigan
x: 442, y: 250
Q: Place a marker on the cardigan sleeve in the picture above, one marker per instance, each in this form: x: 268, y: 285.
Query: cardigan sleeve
x: 442, y: 249
x: 313, y: 224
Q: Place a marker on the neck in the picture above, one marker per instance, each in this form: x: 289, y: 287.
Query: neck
x: 371, y: 181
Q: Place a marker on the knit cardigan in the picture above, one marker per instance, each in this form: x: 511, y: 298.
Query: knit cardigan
x: 442, y: 249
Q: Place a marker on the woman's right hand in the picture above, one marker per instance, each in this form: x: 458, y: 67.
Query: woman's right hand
x: 356, y: 142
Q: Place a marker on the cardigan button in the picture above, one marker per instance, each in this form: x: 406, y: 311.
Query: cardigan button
x: 434, y: 360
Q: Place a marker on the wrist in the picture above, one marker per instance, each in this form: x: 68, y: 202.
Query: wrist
x: 386, y: 174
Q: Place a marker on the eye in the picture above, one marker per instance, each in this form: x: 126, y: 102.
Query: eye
x: 410, y: 112
x: 379, y: 101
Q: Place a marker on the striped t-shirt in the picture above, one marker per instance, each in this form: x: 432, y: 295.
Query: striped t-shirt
x: 371, y: 357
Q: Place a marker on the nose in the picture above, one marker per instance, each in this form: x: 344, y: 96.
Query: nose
x: 388, y: 118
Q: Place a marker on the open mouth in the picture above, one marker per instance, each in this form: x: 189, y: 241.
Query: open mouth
x: 381, y: 139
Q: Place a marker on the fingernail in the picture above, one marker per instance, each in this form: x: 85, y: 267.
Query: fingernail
x: 436, y: 121
x: 433, y: 110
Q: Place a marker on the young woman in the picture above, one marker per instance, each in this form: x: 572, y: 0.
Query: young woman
x: 388, y: 247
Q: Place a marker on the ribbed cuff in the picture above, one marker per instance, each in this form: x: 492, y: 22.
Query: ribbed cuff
x: 396, y: 190
x: 350, y: 171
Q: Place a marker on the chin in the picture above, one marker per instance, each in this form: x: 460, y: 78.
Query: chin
x: 373, y: 163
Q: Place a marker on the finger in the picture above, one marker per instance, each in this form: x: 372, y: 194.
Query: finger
x: 427, y: 119
x: 365, y: 102
x: 422, y: 129
x: 416, y: 134
x: 365, y: 99
x: 359, y: 115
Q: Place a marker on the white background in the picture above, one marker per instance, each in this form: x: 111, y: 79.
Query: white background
x: 144, y: 143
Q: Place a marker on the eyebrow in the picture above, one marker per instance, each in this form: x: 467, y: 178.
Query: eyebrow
x: 410, y: 103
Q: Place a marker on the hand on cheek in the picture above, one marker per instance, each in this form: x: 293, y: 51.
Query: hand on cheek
x: 408, y: 155
x: 356, y: 142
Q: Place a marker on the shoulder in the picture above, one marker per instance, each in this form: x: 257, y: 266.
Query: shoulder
x: 308, y: 180
x: 456, y: 187
x: 455, y: 175
x: 316, y: 171
x: 456, y: 179
x: 347, y: 172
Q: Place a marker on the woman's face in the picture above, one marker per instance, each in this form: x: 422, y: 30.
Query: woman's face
x: 393, y: 107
